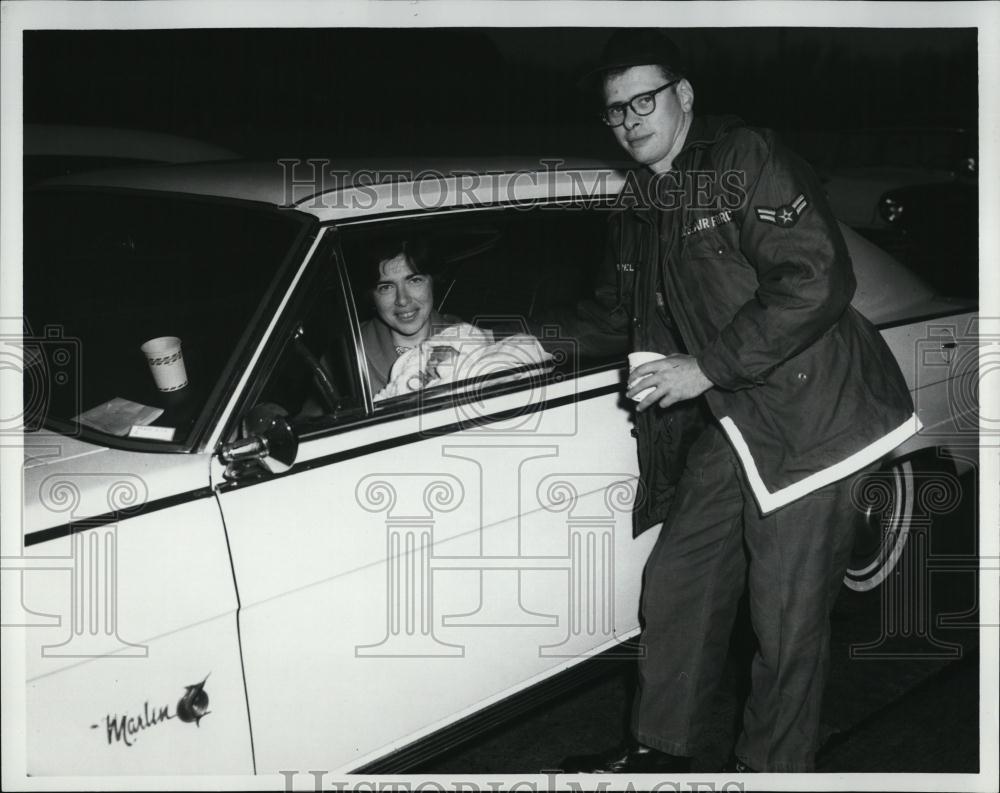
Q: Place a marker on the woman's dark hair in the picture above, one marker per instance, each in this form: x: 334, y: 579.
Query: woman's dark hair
x: 377, y: 251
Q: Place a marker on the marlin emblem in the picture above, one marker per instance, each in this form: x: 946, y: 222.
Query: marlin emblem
x: 193, y: 706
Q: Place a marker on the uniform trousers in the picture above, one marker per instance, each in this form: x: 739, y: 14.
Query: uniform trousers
x: 713, y: 543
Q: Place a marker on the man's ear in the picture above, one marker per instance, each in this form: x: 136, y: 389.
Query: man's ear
x: 685, y: 95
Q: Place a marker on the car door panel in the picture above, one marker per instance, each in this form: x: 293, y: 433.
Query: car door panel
x: 939, y: 358
x: 132, y: 658
x: 437, y: 573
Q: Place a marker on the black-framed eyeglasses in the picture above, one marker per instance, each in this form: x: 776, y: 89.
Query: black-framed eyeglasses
x: 642, y: 105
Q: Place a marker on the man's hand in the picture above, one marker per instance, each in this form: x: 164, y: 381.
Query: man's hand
x: 674, y: 378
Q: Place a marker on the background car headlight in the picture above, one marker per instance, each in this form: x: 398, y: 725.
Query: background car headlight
x: 890, y: 209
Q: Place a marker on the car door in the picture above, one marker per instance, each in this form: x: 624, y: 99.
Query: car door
x: 424, y: 559
x: 128, y: 605
x: 128, y: 612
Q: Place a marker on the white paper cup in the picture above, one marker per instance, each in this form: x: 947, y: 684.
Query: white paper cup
x: 637, y: 359
x: 166, y: 362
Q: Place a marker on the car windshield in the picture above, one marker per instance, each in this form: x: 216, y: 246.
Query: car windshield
x: 106, y: 273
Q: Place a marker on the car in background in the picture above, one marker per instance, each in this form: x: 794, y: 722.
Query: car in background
x: 857, y: 167
x: 934, y: 230
x: 219, y: 580
x: 61, y: 149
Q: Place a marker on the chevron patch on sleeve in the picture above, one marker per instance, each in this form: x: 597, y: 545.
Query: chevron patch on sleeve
x: 786, y: 215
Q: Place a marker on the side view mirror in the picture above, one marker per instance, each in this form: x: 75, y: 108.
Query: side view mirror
x: 269, y: 441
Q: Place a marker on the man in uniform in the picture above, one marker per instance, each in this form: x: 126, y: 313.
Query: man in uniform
x: 774, y: 397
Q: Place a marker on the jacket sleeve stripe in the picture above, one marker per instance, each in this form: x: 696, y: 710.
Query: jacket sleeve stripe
x: 768, y: 501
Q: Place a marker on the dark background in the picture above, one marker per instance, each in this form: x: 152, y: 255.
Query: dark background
x: 346, y: 92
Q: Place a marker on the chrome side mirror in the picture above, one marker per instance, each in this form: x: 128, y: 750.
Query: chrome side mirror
x: 269, y: 441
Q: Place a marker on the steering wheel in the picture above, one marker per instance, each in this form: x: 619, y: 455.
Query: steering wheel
x: 327, y: 390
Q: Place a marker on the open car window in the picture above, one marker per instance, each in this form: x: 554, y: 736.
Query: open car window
x: 316, y: 379
x: 106, y: 272
x: 502, y: 282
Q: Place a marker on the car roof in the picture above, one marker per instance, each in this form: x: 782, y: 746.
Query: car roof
x: 420, y: 183
x: 306, y: 184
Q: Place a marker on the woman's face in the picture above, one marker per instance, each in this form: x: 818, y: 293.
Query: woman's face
x: 403, y: 300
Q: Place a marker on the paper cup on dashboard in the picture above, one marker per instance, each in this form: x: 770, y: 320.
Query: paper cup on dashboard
x: 637, y: 359
x: 166, y: 362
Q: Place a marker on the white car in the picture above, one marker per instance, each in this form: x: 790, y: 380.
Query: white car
x: 267, y: 569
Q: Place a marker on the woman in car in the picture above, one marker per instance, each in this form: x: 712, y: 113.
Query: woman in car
x: 409, y: 346
x: 402, y: 292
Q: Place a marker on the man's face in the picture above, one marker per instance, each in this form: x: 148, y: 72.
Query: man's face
x: 403, y: 300
x: 655, y: 139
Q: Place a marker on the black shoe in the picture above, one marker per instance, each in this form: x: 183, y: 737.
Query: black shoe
x: 632, y: 758
x: 737, y: 766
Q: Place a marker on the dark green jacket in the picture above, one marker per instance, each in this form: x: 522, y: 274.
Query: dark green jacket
x: 756, y: 282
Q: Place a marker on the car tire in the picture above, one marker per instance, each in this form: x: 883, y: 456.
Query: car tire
x: 886, y: 501
x: 905, y: 497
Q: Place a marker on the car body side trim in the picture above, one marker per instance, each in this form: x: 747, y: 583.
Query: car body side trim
x: 609, y: 662
x: 415, y: 437
x: 73, y: 527
x: 239, y: 632
x: 960, y: 311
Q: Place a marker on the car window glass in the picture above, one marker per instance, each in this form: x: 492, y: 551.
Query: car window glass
x: 503, y: 281
x: 104, y: 273
x: 316, y: 380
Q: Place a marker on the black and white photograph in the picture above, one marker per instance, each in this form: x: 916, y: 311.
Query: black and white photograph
x: 506, y: 395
